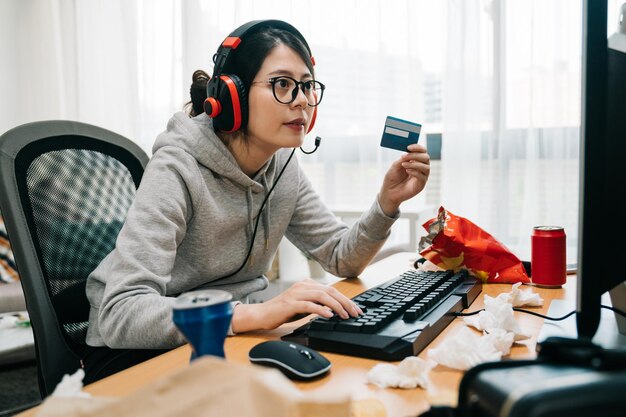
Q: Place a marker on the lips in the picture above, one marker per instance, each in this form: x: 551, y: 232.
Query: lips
x: 296, y: 122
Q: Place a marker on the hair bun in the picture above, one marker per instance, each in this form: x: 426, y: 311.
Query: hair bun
x: 197, y: 91
x: 199, y: 76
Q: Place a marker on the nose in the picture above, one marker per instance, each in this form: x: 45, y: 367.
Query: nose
x: 301, y: 99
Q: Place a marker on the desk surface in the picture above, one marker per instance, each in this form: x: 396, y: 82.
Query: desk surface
x: 348, y: 374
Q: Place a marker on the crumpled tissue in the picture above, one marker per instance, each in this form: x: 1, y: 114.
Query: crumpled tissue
x: 498, y: 313
x: 467, y: 349
x: 71, y: 386
x: 500, y: 330
x: 521, y: 298
x: 412, y: 372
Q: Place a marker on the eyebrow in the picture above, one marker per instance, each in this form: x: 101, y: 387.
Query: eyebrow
x: 289, y: 73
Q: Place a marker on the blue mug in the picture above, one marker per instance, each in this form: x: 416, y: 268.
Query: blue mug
x: 203, y: 317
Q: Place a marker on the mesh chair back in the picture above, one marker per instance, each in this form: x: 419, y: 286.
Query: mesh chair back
x: 72, y: 185
x: 79, y: 199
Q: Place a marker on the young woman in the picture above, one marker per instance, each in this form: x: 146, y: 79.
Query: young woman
x: 202, y: 217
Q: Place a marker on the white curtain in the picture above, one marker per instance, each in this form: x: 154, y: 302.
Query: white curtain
x: 511, y: 116
x: 496, y: 82
x: 112, y: 63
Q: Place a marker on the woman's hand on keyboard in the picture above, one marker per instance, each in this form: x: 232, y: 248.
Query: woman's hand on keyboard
x: 303, y: 297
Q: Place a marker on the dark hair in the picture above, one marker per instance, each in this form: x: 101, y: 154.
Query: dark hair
x: 246, y: 61
x: 197, y: 91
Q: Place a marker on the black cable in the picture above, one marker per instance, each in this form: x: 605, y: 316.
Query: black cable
x: 258, y: 217
x: 614, y: 310
x: 318, y: 140
x: 532, y: 313
x: 471, y: 313
x: 521, y: 311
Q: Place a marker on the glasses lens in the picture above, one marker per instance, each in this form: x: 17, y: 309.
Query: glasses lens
x: 313, y: 90
x: 283, y: 88
x: 308, y: 88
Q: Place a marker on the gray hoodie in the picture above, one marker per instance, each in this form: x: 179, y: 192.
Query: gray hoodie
x: 191, y: 224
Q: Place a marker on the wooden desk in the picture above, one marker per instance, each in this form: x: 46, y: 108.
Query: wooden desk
x: 348, y: 374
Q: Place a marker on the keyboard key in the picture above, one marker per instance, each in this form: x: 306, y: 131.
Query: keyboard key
x: 410, y: 315
x: 372, y: 300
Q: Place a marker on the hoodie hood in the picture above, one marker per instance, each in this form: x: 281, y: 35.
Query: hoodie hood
x: 197, y: 137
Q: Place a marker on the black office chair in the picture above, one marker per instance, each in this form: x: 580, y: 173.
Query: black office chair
x: 65, y: 189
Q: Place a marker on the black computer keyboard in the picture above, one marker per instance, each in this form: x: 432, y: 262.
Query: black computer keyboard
x: 402, y: 316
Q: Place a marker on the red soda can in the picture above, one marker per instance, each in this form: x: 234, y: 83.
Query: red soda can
x: 548, y: 263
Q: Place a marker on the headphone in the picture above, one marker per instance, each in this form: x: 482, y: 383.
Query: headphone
x: 227, y: 98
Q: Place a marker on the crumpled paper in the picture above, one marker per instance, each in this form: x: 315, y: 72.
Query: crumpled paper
x: 498, y: 313
x: 500, y: 330
x: 412, y: 372
x: 454, y: 242
x: 71, y: 386
x: 522, y: 298
x: 467, y: 349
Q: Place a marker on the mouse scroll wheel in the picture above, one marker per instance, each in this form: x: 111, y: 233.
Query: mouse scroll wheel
x: 306, y: 353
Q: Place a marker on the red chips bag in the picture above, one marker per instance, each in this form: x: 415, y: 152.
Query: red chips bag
x: 456, y: 243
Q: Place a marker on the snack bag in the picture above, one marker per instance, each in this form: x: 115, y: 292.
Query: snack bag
x: 456, y: 243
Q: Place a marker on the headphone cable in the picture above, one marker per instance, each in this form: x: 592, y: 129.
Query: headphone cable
x: 256, y: 224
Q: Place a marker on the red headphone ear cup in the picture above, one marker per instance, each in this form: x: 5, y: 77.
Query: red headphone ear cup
x: 312, y: 120
x: 243, y: 101
x: 212, y: 107
x: 234, y: 102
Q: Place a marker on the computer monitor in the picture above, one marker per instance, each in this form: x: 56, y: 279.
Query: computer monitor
x: 602, y: 216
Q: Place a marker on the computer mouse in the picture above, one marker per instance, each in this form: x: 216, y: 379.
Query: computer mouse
x: 294, y: 360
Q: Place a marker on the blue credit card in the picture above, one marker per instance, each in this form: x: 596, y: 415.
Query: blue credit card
x: 399, y: 134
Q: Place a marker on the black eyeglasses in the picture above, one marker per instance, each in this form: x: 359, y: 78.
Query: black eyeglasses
x: 285, y: 90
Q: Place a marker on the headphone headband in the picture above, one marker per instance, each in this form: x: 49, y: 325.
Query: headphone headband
x: 234, y: 39
x: 226, y: 101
